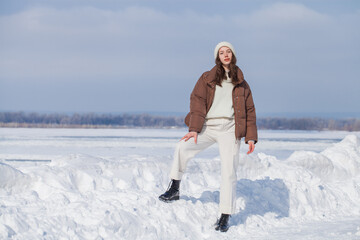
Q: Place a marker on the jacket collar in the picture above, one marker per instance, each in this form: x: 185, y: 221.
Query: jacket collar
x: 210, y: 78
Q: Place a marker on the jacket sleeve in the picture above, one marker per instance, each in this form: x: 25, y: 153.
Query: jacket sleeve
x: 198, y: 105
x: 251, y: 128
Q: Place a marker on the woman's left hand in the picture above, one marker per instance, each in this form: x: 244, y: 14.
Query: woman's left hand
x: 251, y: 147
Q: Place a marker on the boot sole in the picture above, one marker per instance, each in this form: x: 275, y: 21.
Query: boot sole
x: 170, y: 200
x: 217, y: 228
x: 224, y: 230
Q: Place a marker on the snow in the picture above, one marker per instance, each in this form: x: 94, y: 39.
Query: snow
x: 105, y: 183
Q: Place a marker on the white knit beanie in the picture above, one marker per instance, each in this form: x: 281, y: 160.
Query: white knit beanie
x: 223, y: 44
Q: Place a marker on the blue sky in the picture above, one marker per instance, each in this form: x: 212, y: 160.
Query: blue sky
x: 146, y: 56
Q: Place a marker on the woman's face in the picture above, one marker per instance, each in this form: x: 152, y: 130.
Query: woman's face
x: 225, y: 55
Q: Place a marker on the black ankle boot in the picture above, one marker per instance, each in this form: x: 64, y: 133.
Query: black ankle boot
x: 172, y: 193
x: 222, y: 223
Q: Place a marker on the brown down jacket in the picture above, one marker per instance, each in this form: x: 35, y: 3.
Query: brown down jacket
x: 244, y: 110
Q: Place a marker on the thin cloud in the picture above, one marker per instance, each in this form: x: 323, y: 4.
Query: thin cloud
x: 285, y: 14
x: 281, y: 45
x: 87, y: 41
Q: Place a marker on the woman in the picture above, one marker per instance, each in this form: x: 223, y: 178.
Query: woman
x: 222, y: 111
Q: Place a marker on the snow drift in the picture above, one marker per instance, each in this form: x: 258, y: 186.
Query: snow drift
x: 81, y: 196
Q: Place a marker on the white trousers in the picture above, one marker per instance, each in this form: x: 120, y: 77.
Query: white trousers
x: 222, y: 131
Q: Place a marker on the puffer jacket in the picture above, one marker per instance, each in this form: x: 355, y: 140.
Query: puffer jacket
x: 244, y: 110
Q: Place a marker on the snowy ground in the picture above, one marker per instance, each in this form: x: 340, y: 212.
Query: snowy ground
x: 104, y: 184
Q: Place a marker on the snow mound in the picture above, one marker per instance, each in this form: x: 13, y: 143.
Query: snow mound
x: 320, y: 185
x: 340, y: 162
x: 81, y: 196
x: 11, y: 177
x: 346, y: 155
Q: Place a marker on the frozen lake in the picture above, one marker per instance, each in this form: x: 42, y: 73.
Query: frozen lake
x: 45, y: 144
x: 104, y: 184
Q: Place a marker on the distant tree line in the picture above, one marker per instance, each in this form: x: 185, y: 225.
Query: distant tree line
x: 92, y: 120
x: 352, y: 124
x: 88, y: 120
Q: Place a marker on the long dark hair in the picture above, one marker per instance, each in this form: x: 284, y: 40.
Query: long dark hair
x: 221, y: 74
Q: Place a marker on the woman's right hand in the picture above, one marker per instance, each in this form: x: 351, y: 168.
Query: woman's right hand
x: 190, y: 135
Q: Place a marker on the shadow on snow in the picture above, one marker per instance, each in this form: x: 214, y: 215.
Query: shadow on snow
x: 260, y: 196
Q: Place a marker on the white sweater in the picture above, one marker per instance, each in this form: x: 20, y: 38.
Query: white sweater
x: 222, y: 106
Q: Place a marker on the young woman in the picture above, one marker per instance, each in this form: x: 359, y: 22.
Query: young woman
x: 221, y: 110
